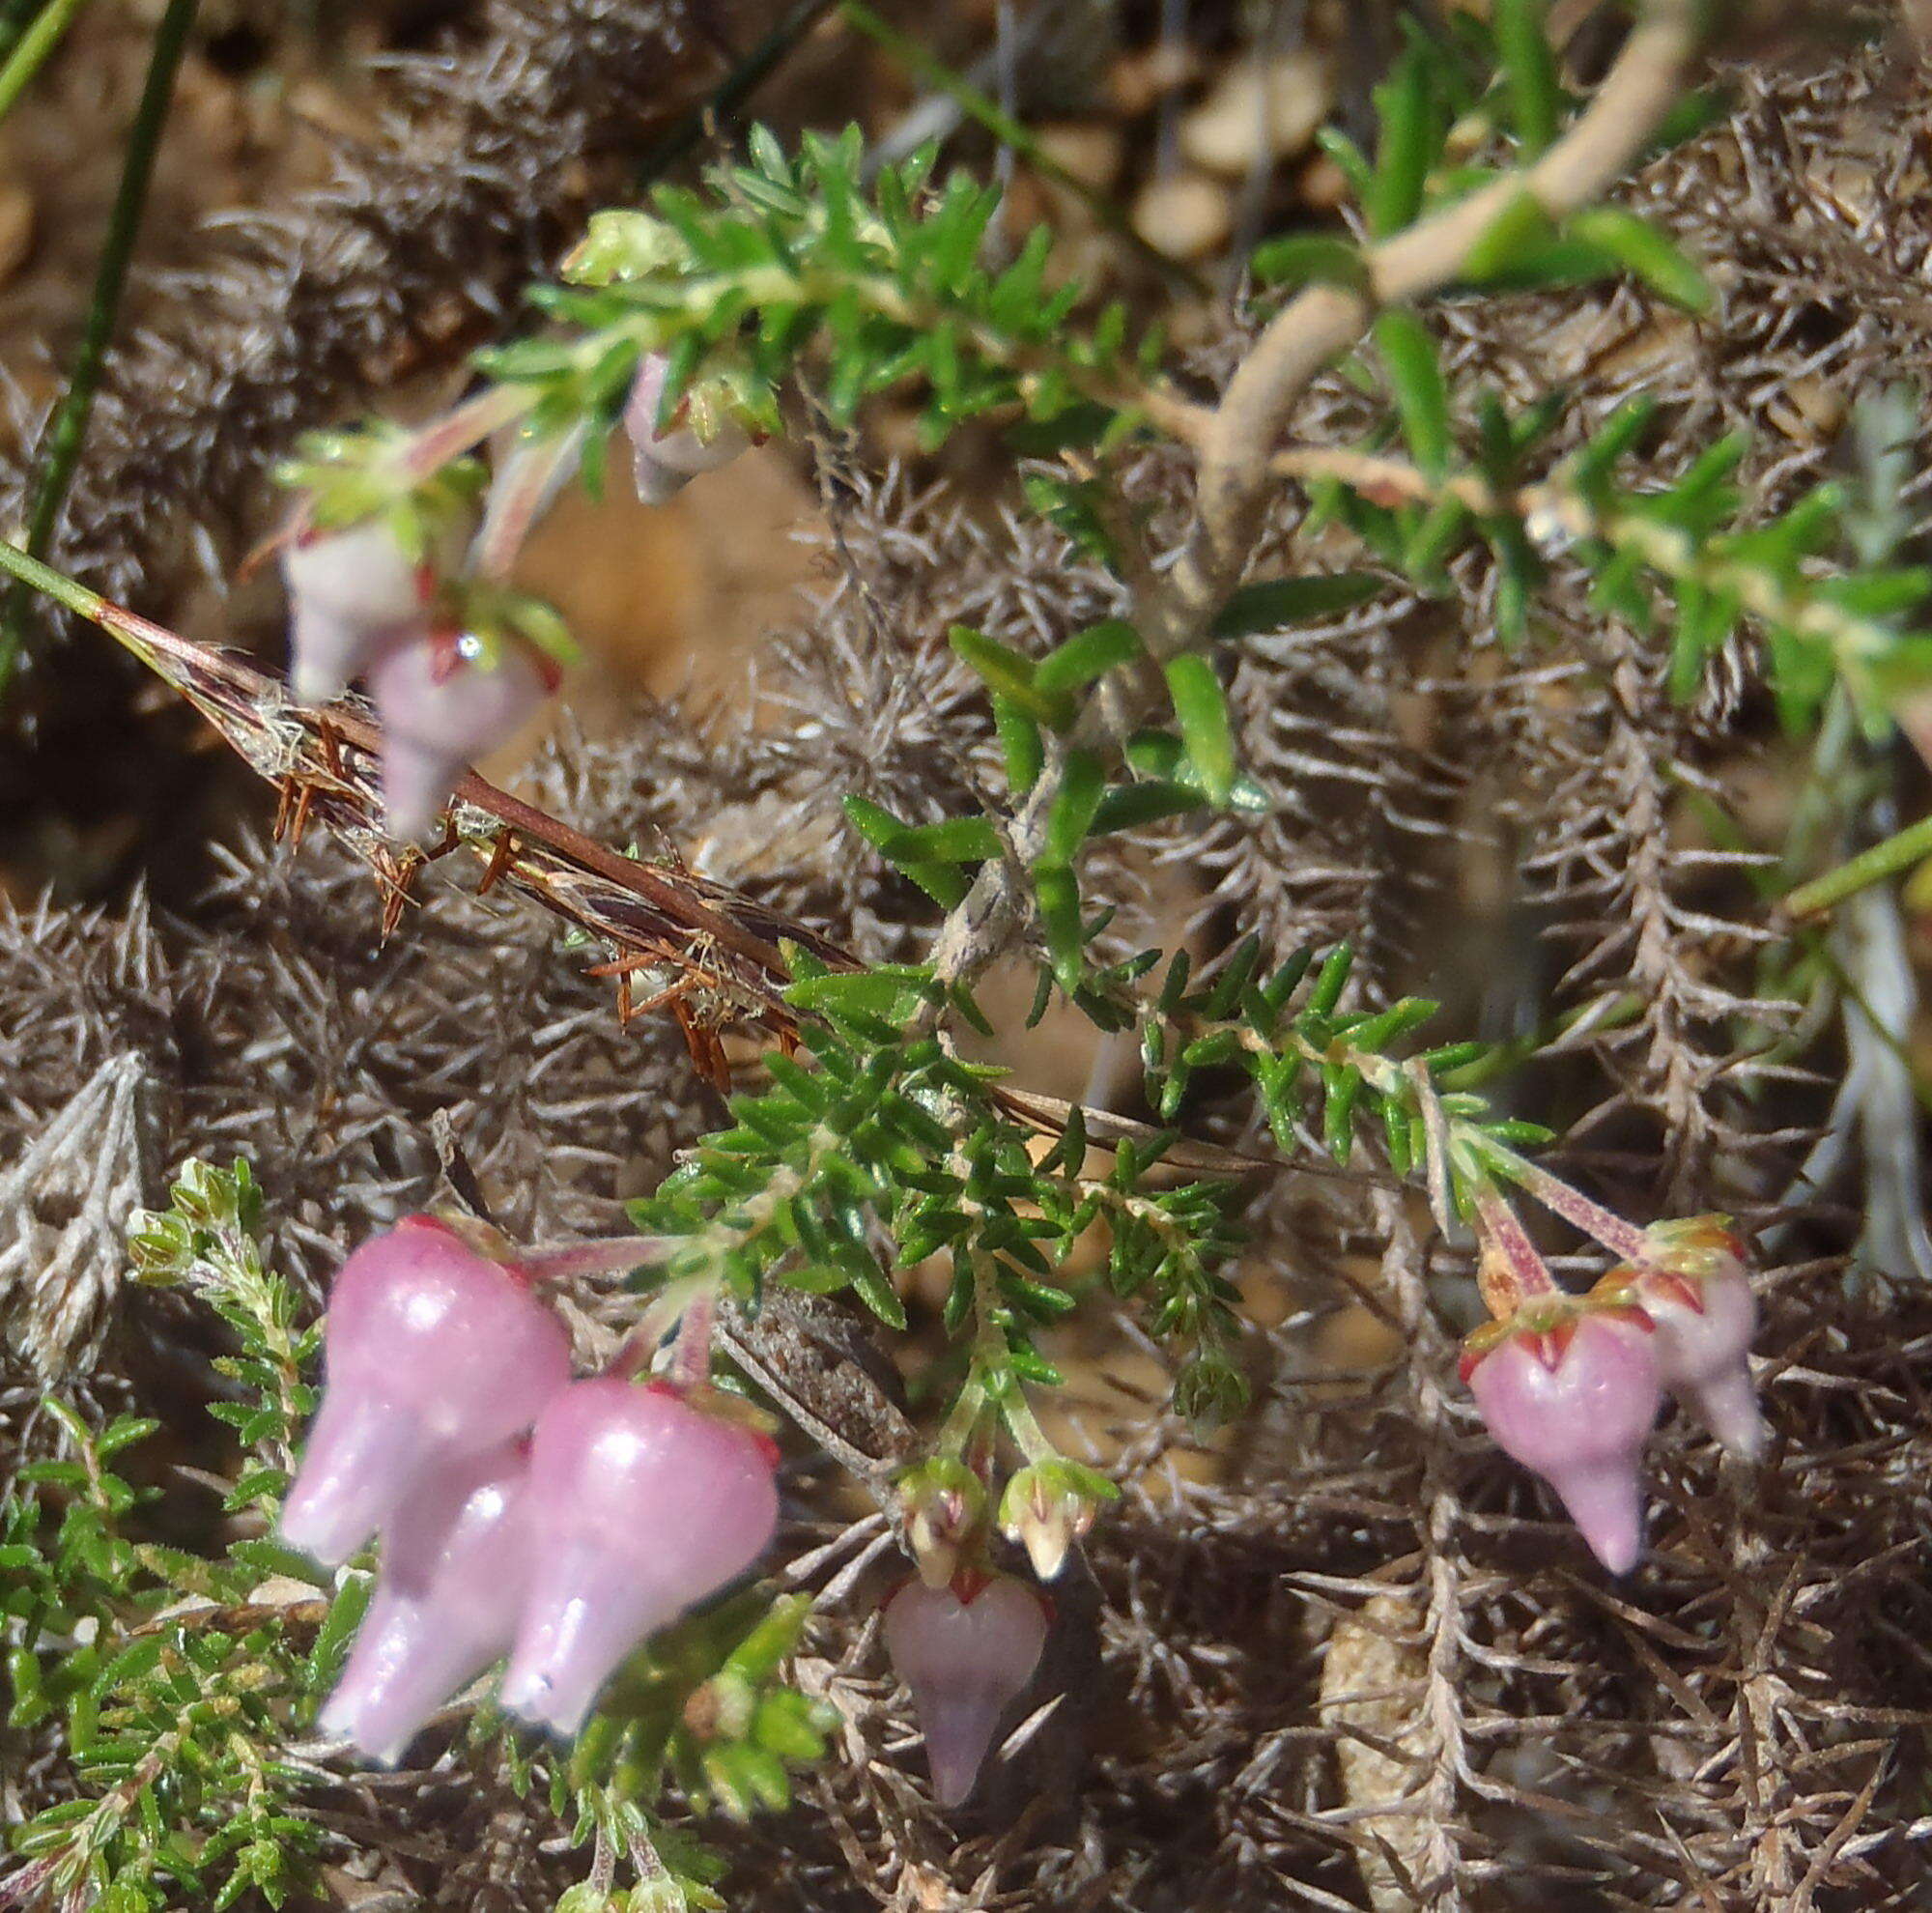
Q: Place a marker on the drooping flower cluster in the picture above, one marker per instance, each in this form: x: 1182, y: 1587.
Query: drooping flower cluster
x: 520, y: 1512
x: 360, y: 608
x: 1571, y: 1385
x: 450, y: 687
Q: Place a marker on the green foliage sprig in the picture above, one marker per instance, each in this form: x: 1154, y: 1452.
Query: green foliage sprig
x: 379, y: 470
x: 1692, y: 552
x: 1327, y: 1074
x: 176, y: 1677
x: 891, y: 1150
x: 739, y: 282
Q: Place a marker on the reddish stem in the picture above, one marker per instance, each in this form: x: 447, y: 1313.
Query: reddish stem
x: 690, y: 1353
x: 1510, y: 1270
x: 152, y: 641
x: 604, y: 1255
x: 1621, y: 1238
x: 464, y: 429
x: 525, y: 481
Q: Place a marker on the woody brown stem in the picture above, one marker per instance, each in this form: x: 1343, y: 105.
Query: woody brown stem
x: 1325, y: 321
x: 1236, y: 440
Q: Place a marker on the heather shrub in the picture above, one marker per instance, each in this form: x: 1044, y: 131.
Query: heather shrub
x: 1413, y: 1428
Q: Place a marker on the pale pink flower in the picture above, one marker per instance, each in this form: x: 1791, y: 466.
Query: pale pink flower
x: 354, y: 595
x: 456, y: 1557
x: 643, y: 1507
x: 443, y: 705
x: 432, y: 1354
x: 967, y: 1656
x: 1700, y: 1298
x: 667, y: 462
x: 1572, y: 1393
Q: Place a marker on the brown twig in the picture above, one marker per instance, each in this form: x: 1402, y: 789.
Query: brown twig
x: 1239, y: 436
x: 1327, y: 321
x: 713, y: 954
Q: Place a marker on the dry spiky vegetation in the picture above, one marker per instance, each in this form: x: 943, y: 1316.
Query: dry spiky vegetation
x: 1340, y: 1655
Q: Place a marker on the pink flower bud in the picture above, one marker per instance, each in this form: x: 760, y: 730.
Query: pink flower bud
x: 455, y: 1562
x: 967, y: 1653
x: 1570, y: 1393
x: 441, y: 707
x: 643, y: 1507
x: 353, y: 595
x: 669, y: 462
x: 1700, y: 1298
x: 432, y: 1354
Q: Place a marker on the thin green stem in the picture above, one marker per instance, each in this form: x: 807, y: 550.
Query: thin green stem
x: 30, y: 573
x: 147, y: 641
x: 690, y: 1353
x: 60, y: 447
x: 1834, y: 786
x: 601, y: 1255
x: 993, y: 1362
x: 963, y: 1418
x: 32, y: 40
x: 1023, y: 1425
x: 15, y: 17
x: 1897, y: 854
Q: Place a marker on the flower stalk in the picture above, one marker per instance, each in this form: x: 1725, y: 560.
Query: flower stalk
x: 1621, y: 1238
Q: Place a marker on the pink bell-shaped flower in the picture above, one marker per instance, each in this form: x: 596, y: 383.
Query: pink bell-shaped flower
x: 1569, y: 1390
x: 432, y: 1354
x: 1698, y: 1294
x: 668, y: 462
x: 643, y: 1507
x: 967, y: 1653
x: 456, y: 1558
x: 443, y: 703
x: 354, y: 595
